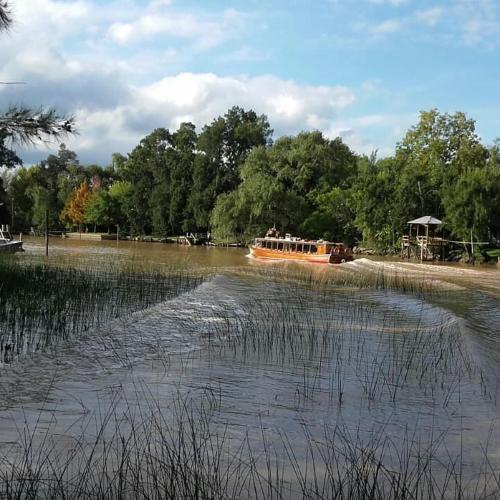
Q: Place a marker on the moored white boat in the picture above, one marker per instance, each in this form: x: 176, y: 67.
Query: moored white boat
x: 7, y: 243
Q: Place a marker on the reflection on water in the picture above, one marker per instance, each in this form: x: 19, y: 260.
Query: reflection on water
x: 136, y: 251
x: 282, y: 361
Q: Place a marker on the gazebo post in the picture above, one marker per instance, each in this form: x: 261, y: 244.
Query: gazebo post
x: 426, y: 239
x: 409, y: 243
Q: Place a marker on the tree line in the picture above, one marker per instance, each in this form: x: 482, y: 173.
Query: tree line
x: 233, y: 180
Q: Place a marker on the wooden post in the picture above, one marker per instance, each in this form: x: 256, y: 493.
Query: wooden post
x: 409, y: 243
x: 471, y: 247
x: 46, y: 232
x: 117, y: 232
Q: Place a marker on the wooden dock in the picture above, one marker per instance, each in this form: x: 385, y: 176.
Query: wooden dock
x: 423, y: 248
x: 192, y: 239
x: 90, y: 236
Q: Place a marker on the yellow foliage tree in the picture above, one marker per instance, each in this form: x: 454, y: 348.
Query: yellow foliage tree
x: 74, y: 209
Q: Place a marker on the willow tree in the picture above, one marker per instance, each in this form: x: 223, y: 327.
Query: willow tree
x: 297, y: 184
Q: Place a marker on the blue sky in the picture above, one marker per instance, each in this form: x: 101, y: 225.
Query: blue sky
x: 361, y: 69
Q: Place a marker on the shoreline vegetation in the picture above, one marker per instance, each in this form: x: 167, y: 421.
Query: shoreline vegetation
x: 319, y: 334
x: 233, y: 180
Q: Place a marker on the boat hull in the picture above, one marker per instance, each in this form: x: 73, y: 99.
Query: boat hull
x: 266, y: 253
x: 11, y: 246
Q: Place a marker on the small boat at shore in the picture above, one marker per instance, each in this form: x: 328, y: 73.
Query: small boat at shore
x: 291, y: 248
x: 7, y: 243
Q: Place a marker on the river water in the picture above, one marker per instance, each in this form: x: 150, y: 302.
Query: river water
x: 294, y: 375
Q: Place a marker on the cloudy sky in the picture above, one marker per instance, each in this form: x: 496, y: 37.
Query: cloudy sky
x: 361, y: 69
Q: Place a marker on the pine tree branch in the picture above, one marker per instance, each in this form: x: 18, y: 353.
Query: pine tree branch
x: 5, y: 19
x: 22, y: 125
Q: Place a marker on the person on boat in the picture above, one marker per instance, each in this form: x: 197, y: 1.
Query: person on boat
x: 272, y: 233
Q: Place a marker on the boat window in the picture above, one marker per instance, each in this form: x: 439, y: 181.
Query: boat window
x: 313, y: 249
x: 280, y: 246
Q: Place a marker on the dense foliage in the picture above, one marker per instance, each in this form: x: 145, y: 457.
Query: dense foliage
x: 232, y: 180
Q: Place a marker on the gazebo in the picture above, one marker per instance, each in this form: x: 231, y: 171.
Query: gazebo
x: 423, y: 240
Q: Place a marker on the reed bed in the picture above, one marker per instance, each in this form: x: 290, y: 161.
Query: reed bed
x: 330, y: 342
x: 319, y: 278
x: 42, y: 303
x: 183, y: 451
x: 340, y: 346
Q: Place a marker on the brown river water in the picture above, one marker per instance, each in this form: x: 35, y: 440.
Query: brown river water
x: 287, y: 371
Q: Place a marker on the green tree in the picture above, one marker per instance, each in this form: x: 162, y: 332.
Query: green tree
x: 20, y: 195
x: 121, y: 193
x: 285, y: 184
x: 147, y: 171
x: 56, y: 179
x: 222, y: 149
x: 372, y: 196
x: 439, y: 152
x: 181, y: 160
x: 8, y: 157
x: 433, y: 154
x: 472, y: 203
x: 160, y: 171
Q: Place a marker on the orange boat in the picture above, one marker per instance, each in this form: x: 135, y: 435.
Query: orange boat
x: 290, y: 248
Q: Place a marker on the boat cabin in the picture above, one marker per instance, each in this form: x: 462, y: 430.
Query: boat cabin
x: 294, y: 245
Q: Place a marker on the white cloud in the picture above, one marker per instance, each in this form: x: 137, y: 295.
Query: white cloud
x: 388, y: 2
x: 479, y: 21
x: 430, y: 17
x: 52, y: 19
x: 205, y: 32
x: 385, y: 131
x: 386, y: 27
x: 246, y: 54
x: 202, y: 97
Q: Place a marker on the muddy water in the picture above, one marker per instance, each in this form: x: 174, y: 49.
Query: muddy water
x: 409, y: 375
